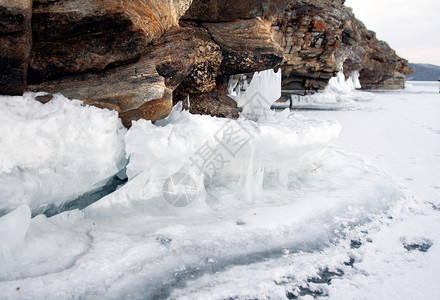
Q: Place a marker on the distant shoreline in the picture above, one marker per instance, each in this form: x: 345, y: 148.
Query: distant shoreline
x: 424, y: 72
x: 415, y: 80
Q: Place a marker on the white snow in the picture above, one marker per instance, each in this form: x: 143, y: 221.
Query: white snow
x: 51, y: 153
x: 283, y: 205
x: 13, y: 228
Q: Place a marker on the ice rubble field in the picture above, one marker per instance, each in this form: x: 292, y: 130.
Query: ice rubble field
x: 282, y: 210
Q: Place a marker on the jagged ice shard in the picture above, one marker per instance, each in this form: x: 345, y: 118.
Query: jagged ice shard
x: 257, y: 96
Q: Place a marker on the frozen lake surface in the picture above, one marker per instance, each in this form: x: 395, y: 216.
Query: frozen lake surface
x: 336, y: 204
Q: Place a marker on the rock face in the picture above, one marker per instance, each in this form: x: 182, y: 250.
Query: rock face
x: 320, y: 37
x: 243, y: 34
x: 139, y: 57
x: 15, y: 45
x: 72, y: 36
x: 316, y: 36
x: 247, y: 45
x: 226, y: 11
x: 133, y: 55
x: 135, y: 87
x: 214, y: 104
x: 380, y: 67
x: 95, y: 51
x: 187, y: 56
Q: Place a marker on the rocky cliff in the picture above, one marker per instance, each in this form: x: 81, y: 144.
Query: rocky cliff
x: 317, y: 37
x: 321, y: 37
x: 138, y: 56
x: 380, y: 67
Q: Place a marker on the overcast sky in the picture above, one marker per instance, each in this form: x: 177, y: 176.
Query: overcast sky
x: 412, y: 28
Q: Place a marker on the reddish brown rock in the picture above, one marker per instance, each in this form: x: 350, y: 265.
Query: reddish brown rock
x: 187, y: 56
x: 381, y: 67
x: 214, y: 104
x: 15, y: 45
x: 225, y: 10
x: 316, y: 36
x: 72, y: 37
x: 247, y: 45
x: 125, y: 89
x: 153, y: 110
x: 132, y: 55
x: 319, y: 37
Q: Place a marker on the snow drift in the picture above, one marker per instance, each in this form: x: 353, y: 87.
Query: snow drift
x: 51, y: 153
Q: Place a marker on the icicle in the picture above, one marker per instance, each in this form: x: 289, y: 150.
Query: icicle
x: 258, y: 95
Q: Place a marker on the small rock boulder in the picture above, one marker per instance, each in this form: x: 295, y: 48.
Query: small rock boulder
x: 214, y: 104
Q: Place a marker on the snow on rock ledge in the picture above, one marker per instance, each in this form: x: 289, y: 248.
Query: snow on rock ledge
x: 55, y: 152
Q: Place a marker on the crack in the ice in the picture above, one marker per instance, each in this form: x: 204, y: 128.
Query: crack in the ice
x: 180, y: 278
x: 84, y: 200
x: 324, y: 277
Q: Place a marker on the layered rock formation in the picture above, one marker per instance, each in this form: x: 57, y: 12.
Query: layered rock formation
x: 243, y: 33
x: 247, y: 45
x: 71, y: 36
x: 321, y: 37
x: 135, y: 91
x: 132, y: 55
x: 226, y: 11
x: 93, y: 50
x: 380, y: 67
x: 137, y: 57
x: 317, y: 37
x: 15, y: 45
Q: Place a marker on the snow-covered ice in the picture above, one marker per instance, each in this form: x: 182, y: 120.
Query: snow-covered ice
x: 13, y: 228
x: 283, y: 208
x: 52, y: 153
x: 237, y: 156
